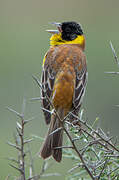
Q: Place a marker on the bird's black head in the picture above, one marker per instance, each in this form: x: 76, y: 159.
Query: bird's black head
x: 70, y: 30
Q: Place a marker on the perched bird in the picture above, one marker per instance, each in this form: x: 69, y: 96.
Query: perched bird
x: 64, y: 80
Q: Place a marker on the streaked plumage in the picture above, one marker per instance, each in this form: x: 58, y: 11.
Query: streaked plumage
x: 64, y: 80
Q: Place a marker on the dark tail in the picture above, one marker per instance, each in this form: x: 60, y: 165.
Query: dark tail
x: 53, y: 140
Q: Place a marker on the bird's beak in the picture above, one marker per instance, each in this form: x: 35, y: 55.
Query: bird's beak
x: 58, y: 25
x: 53, y: 31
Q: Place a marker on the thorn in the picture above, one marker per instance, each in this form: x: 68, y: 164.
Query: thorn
x: 37, y: 98
x: 19, y: 125
x: 29, y: 120
x: 76, y: 139
x: 28, y: 141
x: 58, y: 129
x: 81, y: 113
x: 18, y: 131
x: 50, y: 174
x: 61, y: 147
x: 72, y: 169
x: 13, y: 145
x: 67, y: 116
x: 53, y: 111
x: 46, y: 110
x: 18, y: 169
x: 114, y: 53
x: 37, y: 81
x: 23, y: 106
x: 75, y: 116
x: 111, y: 72
x: 12, y: 110
x: 14, y: 160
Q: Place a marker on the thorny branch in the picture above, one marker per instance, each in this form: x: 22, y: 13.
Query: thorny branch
x: 116, y: 60
x: 19, y: 145
x: 94, y: 141
x: 97, y: 155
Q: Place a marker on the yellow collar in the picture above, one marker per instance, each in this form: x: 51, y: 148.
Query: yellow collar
x: 56, y: 39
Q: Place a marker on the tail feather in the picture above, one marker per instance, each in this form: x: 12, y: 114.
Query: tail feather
x: 54, y: 140
x: 46, y: 148
x: 57, y: 142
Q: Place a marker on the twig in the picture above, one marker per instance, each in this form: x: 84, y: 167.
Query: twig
x: 93, y: 137
x: 31, y: 168
x: 20, y: 147
x: 112, y: 72
x: 117, y: 175
x: 95, y: 132
x: 64, y: 147
x: 113, y: 170
x: 41, y: 173
x: 13, y: 145
x: 78, y: 153
x: 18, y: 169
x: 44, y: 175
x: 72, y: 169
x: 114, y: 53
x: 36, y: 99
x: 58, y: 129
x: 103, y: 168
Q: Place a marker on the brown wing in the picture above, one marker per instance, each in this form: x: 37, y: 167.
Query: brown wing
x: 81, y: 79
x: 54, y: 58
x: 47, y: 81
x: 80, y: 86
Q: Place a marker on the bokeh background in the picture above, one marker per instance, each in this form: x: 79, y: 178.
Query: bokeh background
x: 23, y: 43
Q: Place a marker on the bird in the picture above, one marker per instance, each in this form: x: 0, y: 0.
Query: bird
x: 64, y: 79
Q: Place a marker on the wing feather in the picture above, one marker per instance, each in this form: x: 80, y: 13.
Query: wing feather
x: 47, y: 81
x: 80, y: 86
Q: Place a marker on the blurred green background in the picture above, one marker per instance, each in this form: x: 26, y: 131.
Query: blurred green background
x: 23, y: 43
